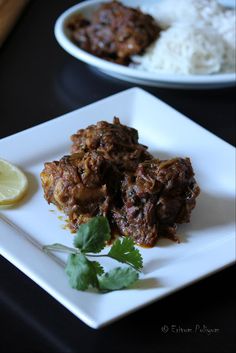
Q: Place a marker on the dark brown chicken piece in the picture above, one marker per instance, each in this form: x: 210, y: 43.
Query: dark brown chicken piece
x: 156, y: 197
x: 116, y: 142
x: 109, y: 173
x: 115, y: 32
x: 82, y: 185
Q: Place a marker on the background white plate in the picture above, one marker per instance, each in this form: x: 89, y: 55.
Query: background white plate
x: 207, y: 243
x: 127, y: 73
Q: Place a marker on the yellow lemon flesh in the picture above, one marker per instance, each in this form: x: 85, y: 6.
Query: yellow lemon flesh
x: 13, y: 183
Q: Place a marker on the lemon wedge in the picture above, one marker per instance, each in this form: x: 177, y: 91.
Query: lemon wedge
x: 13, y: 183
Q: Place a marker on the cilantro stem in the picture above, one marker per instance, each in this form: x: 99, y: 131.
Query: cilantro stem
x: 92, y: 255
x: 113, y: 258
x: 68, y: 250
x: 61, y: 248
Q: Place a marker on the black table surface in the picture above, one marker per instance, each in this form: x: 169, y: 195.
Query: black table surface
x: 39, y: 81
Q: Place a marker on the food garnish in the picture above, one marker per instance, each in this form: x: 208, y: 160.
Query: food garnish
x: 90, y: 239
x: 13, y: 183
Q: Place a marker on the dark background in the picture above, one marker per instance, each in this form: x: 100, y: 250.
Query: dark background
x: 39, y: 81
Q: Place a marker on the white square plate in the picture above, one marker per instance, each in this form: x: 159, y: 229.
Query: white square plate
x: 207, y: 243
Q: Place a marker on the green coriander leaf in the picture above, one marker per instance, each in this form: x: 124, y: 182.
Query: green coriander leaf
x: 81, y: 272
x: 97, y: 267
x: 118, y: 278
x: 124, y: 251
x: 92, y: 236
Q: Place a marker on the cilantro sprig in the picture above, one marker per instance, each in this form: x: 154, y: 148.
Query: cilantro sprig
x: 90, y: 239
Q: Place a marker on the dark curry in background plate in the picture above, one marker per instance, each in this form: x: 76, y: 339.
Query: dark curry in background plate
x: 115, y: 32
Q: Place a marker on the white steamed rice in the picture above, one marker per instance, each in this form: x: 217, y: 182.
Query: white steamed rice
x: 168, y: 12
x: 198, y: 37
